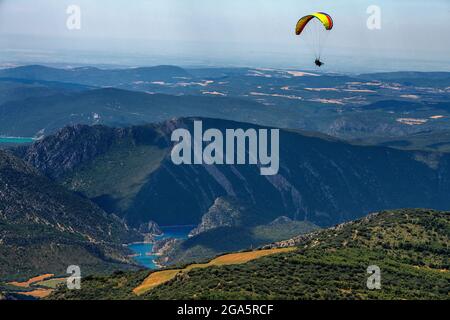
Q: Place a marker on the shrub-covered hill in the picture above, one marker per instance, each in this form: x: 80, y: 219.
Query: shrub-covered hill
x: 410, y: 246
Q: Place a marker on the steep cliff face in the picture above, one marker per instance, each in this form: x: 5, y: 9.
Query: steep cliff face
x: 45, y: 228
x: 320, y: 180
x: 74, y: 146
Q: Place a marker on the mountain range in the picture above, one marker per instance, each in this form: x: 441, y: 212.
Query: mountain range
x: 101, y: 173
x: 39, y: 100
x: 129, y: 172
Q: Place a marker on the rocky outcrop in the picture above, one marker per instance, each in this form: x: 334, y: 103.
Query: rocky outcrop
x: 280, y: 220
x: 225, y: 212
x: 151, y: 228
x: 163, y: 246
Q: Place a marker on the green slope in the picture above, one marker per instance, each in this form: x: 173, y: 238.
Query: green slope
x: 44, y: 228
x: 119, y: 173
x: 410, y: 246
x: 221, y: 240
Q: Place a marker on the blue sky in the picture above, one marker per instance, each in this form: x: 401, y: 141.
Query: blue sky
x: 229, y: 32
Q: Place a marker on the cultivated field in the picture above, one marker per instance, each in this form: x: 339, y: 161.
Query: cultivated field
x: 28, y: 283
x: 157, y: 278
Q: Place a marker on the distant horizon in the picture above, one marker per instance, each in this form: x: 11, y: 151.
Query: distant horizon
x: 118, y: 65
x: 236, y: 33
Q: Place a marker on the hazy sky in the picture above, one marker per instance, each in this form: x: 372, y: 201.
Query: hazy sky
x: 239, y: 32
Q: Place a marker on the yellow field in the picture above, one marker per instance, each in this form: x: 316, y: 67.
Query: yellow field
x: 38, y: 293
x: 157, y: 278
x: 36, y: 283
x: 50, y: 283
x: 29, y: 282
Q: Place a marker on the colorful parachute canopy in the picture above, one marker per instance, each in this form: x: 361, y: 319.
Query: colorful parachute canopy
x: 324, y: 18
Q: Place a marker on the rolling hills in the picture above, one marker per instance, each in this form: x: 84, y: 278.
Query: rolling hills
x: 92, y: 76
x: 113, y: 107
x: 412, y: 78
x: 12, y: 89
x: 38, y: 100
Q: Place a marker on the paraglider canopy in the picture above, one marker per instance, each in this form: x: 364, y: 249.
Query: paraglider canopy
x: 315, y: 29
x: 324, y: 18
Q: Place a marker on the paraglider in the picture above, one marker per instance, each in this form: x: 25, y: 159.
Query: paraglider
x: 315, y: 29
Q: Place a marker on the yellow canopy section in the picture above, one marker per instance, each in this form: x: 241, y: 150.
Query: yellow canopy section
x: 326, y: 20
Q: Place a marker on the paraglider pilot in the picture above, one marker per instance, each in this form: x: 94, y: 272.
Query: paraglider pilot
x: 318, y: 17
